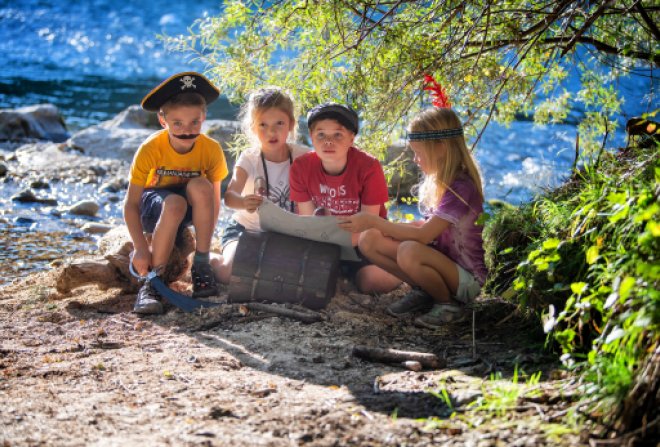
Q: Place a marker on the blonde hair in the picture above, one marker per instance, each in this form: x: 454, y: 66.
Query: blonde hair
x: 447, y: 157
x: 261, y: 100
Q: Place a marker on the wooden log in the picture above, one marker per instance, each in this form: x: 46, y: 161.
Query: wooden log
x: 304, y: 316
x: 112, y: 269
x: 381, y: 355
x: 116, y: 246
x: 85, y: 271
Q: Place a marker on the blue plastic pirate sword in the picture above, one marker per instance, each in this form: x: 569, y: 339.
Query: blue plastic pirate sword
x: 183, y: 302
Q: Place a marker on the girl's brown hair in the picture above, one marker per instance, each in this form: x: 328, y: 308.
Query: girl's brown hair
x: 447, y: 157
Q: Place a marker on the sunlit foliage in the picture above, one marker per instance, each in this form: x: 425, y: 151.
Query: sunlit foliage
x: 497, y: 59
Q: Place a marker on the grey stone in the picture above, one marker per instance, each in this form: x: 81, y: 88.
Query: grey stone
x: 84, y: 208
x: 40, y: 122
x: 96, y: 228
x: 28, y: 196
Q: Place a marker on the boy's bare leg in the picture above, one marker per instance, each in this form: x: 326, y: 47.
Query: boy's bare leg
x: 172, y: 214
x: 429, y: 268
x: 382, y: 251
x: 373, y: 279
x: 200, y: 197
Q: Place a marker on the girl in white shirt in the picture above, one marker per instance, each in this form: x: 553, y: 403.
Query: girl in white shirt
x: 268, y: 119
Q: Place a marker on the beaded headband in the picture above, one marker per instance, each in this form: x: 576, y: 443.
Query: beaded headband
x: 435, y: 134
x: 440, y: 100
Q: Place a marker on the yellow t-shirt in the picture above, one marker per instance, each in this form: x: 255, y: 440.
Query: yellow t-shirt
x: 157, y: 165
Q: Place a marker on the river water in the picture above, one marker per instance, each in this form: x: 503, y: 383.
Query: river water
x: 94, y: 58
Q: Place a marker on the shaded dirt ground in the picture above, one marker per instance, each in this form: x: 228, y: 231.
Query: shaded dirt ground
x: 82, y: 369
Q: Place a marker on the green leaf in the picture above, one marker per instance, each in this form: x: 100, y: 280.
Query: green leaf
x: 578, y: 288
x: 617, y: 198
x: 541, y: 265
x: 551, y: 244
x: 592, y: 254
x: 482, y: 219
x: 621, y: 212
x: 626, y: 287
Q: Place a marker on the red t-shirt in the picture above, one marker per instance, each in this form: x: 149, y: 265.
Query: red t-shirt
x: 362, y: 182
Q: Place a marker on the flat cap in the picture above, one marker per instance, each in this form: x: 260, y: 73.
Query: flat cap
x: 333, y: 111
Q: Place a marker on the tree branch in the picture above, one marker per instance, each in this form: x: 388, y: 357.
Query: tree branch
x: 590, y: 21
x: 651, y: 24
x: 494, y: 45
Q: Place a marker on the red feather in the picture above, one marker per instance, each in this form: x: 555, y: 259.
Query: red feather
x: 438, y: 93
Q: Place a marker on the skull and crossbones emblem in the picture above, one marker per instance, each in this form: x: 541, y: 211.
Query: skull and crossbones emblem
x: 187, y: 82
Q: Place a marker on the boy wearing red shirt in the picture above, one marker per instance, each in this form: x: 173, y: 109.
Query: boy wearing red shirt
x: 340, y: 180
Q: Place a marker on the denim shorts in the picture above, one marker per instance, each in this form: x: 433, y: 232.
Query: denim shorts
x: 468, y: 286
x: 151, y: 206
x: 349, y: 269
x: 231, y: 233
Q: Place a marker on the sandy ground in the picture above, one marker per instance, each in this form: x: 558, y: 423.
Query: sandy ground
x: 81, y: 369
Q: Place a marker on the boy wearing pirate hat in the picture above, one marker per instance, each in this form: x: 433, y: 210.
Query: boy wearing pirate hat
x: 174, y: 182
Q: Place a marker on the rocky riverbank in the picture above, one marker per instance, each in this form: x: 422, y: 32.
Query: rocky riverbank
x: 60, y: 186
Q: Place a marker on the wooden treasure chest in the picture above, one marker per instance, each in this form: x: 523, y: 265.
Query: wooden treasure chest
x: 278, y: 268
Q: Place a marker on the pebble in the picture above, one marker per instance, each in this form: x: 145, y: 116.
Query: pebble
x: 412, y: 365
x: 84, y: 208
x: 39, y: 184
x: 96, y: 228
x: 28, y: 196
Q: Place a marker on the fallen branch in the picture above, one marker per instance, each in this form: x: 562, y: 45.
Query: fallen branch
x: 306, y: 316
x: 381, y: 355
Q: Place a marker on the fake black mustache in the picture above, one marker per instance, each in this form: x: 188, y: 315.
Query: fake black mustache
x: 187, y: 136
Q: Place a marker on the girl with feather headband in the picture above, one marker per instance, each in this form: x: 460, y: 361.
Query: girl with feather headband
x: 441, y: 257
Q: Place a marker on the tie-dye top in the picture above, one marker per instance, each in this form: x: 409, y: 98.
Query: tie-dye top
x: 462, y: 241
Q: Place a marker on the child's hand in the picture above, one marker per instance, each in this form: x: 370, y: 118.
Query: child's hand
x: 252, y: 202
x: 357, y: 223
x: 141, y: 261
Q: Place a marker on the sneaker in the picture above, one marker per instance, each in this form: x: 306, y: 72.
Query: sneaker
x: 203, y: 279
x: 440, y: 315
x: 412, y: 301
x: 148, y: 301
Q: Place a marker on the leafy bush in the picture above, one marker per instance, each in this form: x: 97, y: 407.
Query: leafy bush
x: 586, y: 256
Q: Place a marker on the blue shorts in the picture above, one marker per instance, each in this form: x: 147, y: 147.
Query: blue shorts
x: 151, y: 206
x: 231, y: 233
x: 349, y: 269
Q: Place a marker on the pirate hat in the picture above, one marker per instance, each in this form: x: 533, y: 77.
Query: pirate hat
x: 186, y: 82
